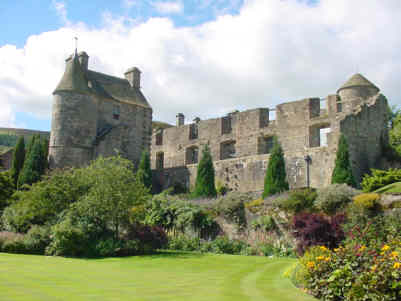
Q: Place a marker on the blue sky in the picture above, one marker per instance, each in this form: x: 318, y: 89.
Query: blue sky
x: 200, y: 57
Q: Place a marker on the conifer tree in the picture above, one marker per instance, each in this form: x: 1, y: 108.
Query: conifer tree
x: 342, y: 173
x: 18, y: 160
x: 275, y: 179
x: 32, y: 170
x: 144, y: 171
x: 44, y: 153
x: 204, y: 185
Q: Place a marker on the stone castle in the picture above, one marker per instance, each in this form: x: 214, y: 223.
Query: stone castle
x: 97, y: 114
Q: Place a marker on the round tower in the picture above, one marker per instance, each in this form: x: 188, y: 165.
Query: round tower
x: 74, y: 117
x: 356, y: 90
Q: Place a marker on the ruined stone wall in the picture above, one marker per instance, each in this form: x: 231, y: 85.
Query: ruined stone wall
x: 304, y: 129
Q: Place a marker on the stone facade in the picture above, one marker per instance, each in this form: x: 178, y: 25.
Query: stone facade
x: 95, y: 114
x: 308, y: 131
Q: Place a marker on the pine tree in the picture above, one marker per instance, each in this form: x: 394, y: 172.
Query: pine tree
x: 44, y: 154
x: 18, y: 160
x: 204, y: 185
x: 342, y: 173
x: 144, y: 171
x: 32, y: 170
x: 275, y: 180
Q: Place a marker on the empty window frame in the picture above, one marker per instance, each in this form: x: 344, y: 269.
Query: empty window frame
x: 227, y: 150
x: 159, y: 160
x: 193, y: 131
x: 265, y: 144
x: 226, y: 125
x: 191, y: 155
x: 339, y: 105
x: 116, y: 112
x: 318, y: 135
x: 159, y: 137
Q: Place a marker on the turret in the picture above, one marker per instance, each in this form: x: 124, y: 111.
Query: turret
x: 355, y: 91
x: 74, y: 117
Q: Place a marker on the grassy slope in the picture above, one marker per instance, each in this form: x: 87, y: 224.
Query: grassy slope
x: 391, y: 188
x: 168, y: 276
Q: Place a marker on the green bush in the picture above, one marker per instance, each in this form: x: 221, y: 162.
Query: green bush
x: 231, y: 207
x: 264, y: 223
x: 37, y: 239
x: 298, y: 200
x: 184, y: 243
x: 342, y: 173
x: 255, y: 205
x: 204, y: 185
x: 380, y: 178
x: 224, y: 245
x: 369, y: 203
x: 334, y: 198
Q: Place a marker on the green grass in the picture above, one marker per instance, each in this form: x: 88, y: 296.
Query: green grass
x: 163, y: 277
x: 391, y: 188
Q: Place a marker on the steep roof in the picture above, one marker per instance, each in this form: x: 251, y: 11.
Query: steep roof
x: 73, y: 78
x: 114, y: 87
x: 357, y: 80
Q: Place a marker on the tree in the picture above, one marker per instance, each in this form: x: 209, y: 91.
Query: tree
x: 275, y: 180
x: 342, y: 173
x: 45, y: 153
x: 32, y: 170
x: 204, y: 185
x: 6, y: 189
x: 18, y: 160
x: 144, y: 172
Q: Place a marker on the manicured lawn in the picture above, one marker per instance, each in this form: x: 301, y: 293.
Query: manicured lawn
x: 168, y: 276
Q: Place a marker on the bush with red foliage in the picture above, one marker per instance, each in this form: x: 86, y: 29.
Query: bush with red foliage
x: 311, y: 229
x: 150, y: 236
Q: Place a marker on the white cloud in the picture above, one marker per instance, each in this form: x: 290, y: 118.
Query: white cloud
x: 61, y: 9
x: 271, y: 52
x: 170, y: 7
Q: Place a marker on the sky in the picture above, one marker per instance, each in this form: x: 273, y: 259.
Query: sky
x: 202, y: 58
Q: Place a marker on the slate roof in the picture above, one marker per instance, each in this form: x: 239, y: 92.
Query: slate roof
x: 100, y: 84
x: 358, y: 80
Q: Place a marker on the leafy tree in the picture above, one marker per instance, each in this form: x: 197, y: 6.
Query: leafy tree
x: 342, y: 173
x: 275, y: 179
x: 6, y: 189
x: 18, y: 160
x: 204, y: 185
x: 144, y: 171
x: 32, y: 169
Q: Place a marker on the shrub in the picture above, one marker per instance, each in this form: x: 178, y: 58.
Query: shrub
x: 224, y: 245
x: 311, y: 229
x: 6, y: 236
x: 204, y: 185
x: 144, y: 171
x: 37, y: 239
x: 380, y: 178
x: 255, y: 205
x: 275, y: 179
x: 149, y: 237
x: 342, y: 173
x: 18, y: 160
x: 221, y: 189
x: 334, y: 198
x: 264, y: 223
x: 6, y: 190
x: 184, y: 243
x: 298, y: 200
x: 231, y: 206
x: 368, y: 203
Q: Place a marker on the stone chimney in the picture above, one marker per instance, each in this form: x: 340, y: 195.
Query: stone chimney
x: 133, y: 75
x: 83, y: 60
x: 180, y: 119
x: 197, y: 119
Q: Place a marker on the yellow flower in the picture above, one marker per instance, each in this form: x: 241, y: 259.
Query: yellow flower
x: 385, y: 248
x: 337, y: 249
x: 323, y: 248
x: 320, y: 258
x: 373, y: 268
x: 396, y: 265
x: 327, y: 259
x: 394, y: 254
x: 310, y: 264
x: 362, y: 248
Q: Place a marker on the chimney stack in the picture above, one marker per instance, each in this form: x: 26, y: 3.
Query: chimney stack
x: 83, y: 60
x: 133, y: 76
x: 180, y: 119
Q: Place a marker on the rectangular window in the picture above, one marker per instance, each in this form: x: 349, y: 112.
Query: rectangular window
x: 159, y: 137
x: 226, y: 125
x: 192, y: 155
x: 318, y: 135
x: 159, y: 160
x: 265, y: 145
x: 227, y: 150
x: 193, y: 131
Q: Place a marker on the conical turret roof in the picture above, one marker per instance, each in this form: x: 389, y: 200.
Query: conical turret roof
x: 73, y: 79
x: 357, y: 80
